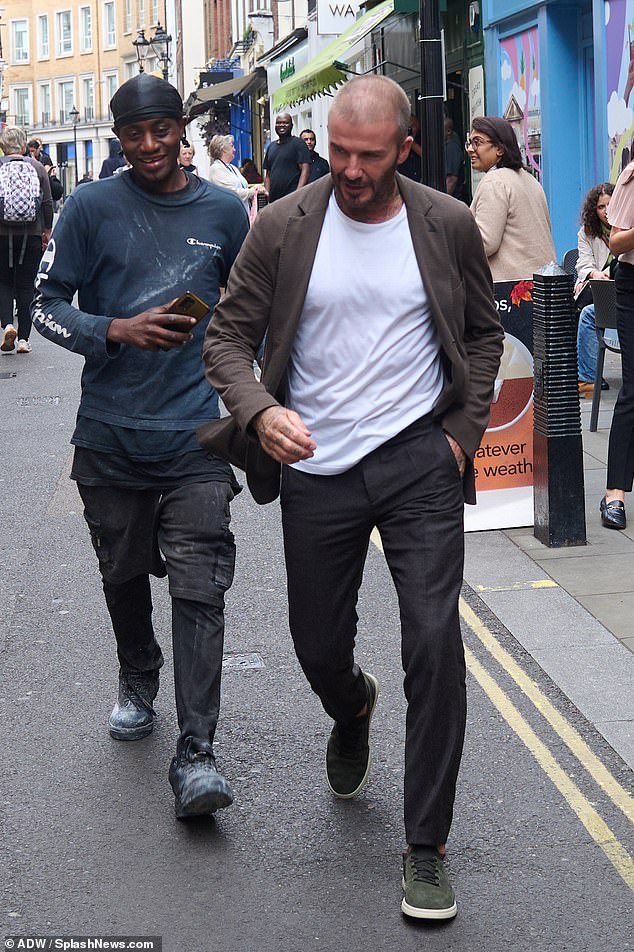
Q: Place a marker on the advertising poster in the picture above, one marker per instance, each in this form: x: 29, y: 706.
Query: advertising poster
x: 619, y: 39
x: 521, y: 104
x: 504, y: 461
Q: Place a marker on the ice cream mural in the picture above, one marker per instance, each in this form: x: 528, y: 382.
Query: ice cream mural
x: 519, y: 75
x: 619, y: 37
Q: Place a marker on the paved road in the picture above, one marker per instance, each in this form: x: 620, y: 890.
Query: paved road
x: 89, y: 841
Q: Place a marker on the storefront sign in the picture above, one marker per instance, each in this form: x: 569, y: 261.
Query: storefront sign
x: 287, y: 69
x: 335, y: 16
x: 504, y: 460
x: 476, y: 108
x: 213, y: 77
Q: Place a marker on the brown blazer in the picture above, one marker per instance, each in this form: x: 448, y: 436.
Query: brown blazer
x: 266, y: 292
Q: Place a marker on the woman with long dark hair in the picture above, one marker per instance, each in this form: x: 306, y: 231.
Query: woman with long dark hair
x: 620, y: 475
x: 509, y: 204
x: 593, y: 263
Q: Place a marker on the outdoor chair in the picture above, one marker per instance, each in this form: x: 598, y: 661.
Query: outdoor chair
x: 569, y: 264
x: 604, y: 296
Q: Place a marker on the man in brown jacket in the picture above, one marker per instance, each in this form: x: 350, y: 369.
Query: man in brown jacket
x: 382, y: 347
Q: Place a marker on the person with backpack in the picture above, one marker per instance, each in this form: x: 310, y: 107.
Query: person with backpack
x: 26, y: 219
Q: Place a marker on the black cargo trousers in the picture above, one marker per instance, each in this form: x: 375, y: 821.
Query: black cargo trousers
x: 182, y: 533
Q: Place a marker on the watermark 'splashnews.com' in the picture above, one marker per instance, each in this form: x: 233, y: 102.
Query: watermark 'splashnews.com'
x: 66, y: 943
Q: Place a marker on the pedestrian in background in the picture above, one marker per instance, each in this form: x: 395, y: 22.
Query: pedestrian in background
x: 620, y: 474
x: 57, y: 189
x: 595, y: 262
x: 287, y: 161
x: 223, y: 172
x: 509, y: 204
x: 454, y: 162
x: 186, y: 157
x: 318, y: 165
x: 26, y: 219
x: 36, y: 151
x: 250, y: 171
x: 155, y: 503
x: 114, y: 161
x: 411, y: 166
x: 376, y: 385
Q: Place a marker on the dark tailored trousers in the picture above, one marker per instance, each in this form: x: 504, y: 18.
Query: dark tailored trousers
x: 620, y: 473
x: 182, y: 533
x: 16, y: 282
x: 410, y: 489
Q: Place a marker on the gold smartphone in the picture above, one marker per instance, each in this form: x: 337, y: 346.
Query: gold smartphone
x: 190, y: 305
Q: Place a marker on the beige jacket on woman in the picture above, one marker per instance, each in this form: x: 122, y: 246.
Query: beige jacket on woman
x: 512, y: 215
x: 593, y: 256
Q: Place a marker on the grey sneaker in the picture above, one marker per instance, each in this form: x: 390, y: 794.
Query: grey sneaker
x: 9, y: 335
x: 198, y: 787
x: 133, y: 715
x: 428, y: 892
x: 348, y: 756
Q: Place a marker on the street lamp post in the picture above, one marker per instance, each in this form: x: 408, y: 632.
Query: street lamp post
x: 431, y: 96
x: 141, y: 46
x: 160, y: 46
x: 74, y: 115
x: 161, y: 41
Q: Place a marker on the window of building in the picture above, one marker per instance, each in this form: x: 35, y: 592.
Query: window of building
x: 141, y: 14
x: 22, y: 105
x: 128, y: 17
x: 64, y: 29
x: 43, y: 50
x: 66, y: 100
x: 111, y: 81
x: 88, y: 97
x: 85, y: 29
x: 20, y: 41
x: 110, y: 32
x: 154, y: 15
x: 45, y: 103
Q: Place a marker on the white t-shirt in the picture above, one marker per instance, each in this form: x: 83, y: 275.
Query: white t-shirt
x: 365, y: 362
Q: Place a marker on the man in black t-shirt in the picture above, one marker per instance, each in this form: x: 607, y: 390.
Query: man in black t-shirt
x: 287, y: 161
x: 454, y: 162
x: 319, y: 166
x: 411, y: 167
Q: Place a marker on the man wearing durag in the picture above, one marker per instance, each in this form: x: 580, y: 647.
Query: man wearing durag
x: 155, y: 503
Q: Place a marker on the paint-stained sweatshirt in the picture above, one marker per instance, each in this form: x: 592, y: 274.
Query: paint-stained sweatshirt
x: 124, y: 250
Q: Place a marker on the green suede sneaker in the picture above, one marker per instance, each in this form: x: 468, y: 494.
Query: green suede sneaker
x: 348, y: 754
x: 428, y: 892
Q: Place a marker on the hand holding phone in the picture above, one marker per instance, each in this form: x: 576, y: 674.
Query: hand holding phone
x: 190, y: 305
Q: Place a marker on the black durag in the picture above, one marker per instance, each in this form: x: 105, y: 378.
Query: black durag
x: 145, y: 97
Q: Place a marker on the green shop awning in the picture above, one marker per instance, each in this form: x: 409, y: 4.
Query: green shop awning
x: 320, y: 76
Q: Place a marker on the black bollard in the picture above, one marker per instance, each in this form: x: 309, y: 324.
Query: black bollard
x: 559, y: 506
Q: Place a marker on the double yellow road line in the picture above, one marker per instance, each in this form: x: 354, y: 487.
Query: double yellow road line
x: 591, y: 819
x: 578, y: 802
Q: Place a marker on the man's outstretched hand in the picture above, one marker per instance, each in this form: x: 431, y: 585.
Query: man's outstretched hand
x: 283, y: 435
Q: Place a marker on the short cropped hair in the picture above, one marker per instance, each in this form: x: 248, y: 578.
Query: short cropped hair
x: 218, y: 145
x: 367, y: 99
x: 13, y: 140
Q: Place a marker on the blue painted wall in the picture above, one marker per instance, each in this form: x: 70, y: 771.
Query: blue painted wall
x: 571, y: 42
